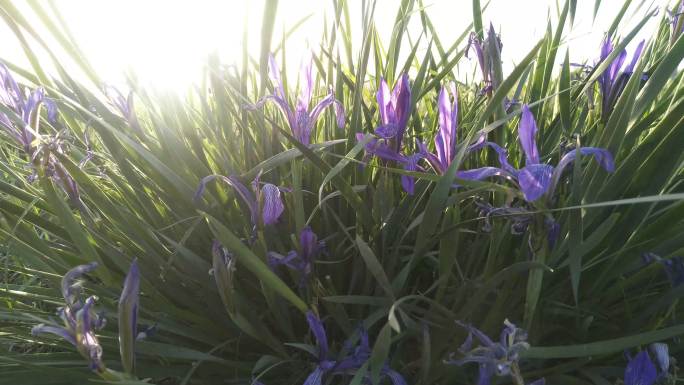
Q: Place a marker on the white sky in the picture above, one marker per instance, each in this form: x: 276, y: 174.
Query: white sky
x: 166, y: 42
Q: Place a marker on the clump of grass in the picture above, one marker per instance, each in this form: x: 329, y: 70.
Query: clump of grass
x: 383, y: 240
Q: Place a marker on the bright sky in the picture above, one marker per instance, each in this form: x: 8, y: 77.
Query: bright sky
x: 166, y: 42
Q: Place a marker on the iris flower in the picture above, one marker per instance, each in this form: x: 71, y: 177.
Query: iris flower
x: 537, y: 179
x: 301, y: 119
x: 26, y: 108
x: 612, y: 82
x: 353, y: 357
x: 124, y: 105
x: 301, y: 260
x: 264, y: 201
x: 80, y: 321
x: 395, y: 108
x: 498, y: 358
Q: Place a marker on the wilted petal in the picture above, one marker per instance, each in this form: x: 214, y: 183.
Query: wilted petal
x: 56, y: 330
x: 527, y: 132
x: 86, y: 341
x: 316, y: 327
x: 70, y: 288
x: 662, y: 355
x: 535, y: 180
x: 128, y: 317
x: 640, y: 370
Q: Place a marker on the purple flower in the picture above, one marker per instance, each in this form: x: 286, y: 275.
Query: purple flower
x: 537, y: 179
x: 612, y: 82
x: 352, y: 357
x: 640, y: 370
x: 79, y: 319
x: 493, y: 358
x: 264, y: 201
x: 301, y: 260
x: 301, y: 119
x: 26, y: 108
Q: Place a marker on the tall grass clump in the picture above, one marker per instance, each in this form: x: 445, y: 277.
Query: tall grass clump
x: 375, y: 220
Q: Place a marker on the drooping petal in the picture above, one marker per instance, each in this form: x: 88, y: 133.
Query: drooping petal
x: 502, y: 154
x: 527, y: 132
x: 128, y: 317
x: 316, y: 327
x: 56, y: 330
x: 640, y: 370
x: 70, y: 288
x: 482, y: 173
x: 316, y: 377
x: 239, y: 188
x: 535, y: 180
x: 271, y: 204
x: 601, y: 155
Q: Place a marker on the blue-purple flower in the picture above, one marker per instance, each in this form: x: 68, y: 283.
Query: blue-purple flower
x: 26, y: 108
x: 485, y: 58
x: 301, y: 260
x: 80, y: 321
x: 352, y: 358
x: 537, y: 179
x: 612, y: 81
x: 264, y: 201
x: 301, y: 119
x: 124, y: 105
x: 498, y: 358
x: 395, y: 108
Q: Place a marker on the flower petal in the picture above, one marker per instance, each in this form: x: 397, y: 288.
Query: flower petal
x: 661, y: 352
x: 70, y: 289
x: 387, y: 131
x: 640, y: 370
x: 306, y: 83
x: 316, y: 327
x: 272, y: 204
x: 535, y: 180
x: 274, y: 74
x: 384, y: 102
x: 601, y: 155
x: 56, y: 330
x: 527, y: 130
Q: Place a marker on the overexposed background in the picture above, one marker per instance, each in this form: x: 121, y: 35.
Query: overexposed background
x: 166, y: 42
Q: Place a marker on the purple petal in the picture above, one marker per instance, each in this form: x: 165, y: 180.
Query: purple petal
x: 339, y: 113
x: 431, y: 158
x: 535, y: 180
x: 444, y: 138
x: 51, y: 108
x: 635, y: 58
x: 401, y: 100
x: 10, y: 94
x: 502, y: 156
x: 640, y: 370
x: 306, y: 84
x: 408, y: 183
x: 272, y: 203
x: 316, y: 377
x: 395, y: 377
x: 274, y: 74
x: 86, y: 341
x: 56, y: 330
x: 483, y: 338
x: 482, y: 173
x: 527, y: 132
x: 615, y: 66
x: 284, y: 108
x: 69, y: 286
x: 384, y: 102
x: 316, y: 327
x: 484, y: 375
x: 602, y: 156
x: 308, y: 242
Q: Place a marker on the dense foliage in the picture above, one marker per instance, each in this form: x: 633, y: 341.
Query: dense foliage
x: 376, y: 220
